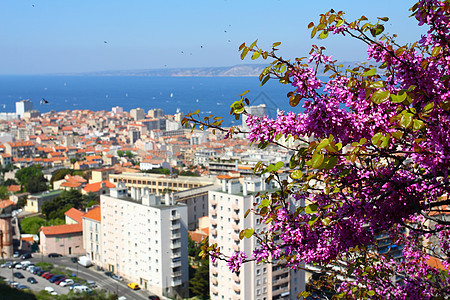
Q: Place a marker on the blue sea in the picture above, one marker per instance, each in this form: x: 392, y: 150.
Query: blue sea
x: 213, y: 95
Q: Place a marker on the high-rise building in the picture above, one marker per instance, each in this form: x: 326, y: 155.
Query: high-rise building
x: 145, y: 239
x: 137, y: 114
x: 156, y: 113
x: 254, y: 281
x: 23, y: 106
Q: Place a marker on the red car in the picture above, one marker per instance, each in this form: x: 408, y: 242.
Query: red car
x: 60, y: 280
x: 45, y: 274
x: 48, y: 276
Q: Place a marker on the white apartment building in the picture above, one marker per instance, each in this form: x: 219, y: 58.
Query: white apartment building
x: 254, y: 281
x: 92, y: 235
x: 23, y: 106
x: 145, y: 239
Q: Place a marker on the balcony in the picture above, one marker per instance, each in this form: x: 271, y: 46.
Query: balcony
x: 235, y: 207
x: 212, y: 222
x: 175, y: 245
x: 236, y: 289
x: 236, y: 228
x: 175, y: 226
x: 175, y: 235
x: 176, y: 282
x: 235, y: 237
x: 175, y: 264
x: 236, y: 248
x: 213, y: 281
x: 213, y: 212
x: 235, y: 217
x: 214, y: 272
x: 236, y: 297
x: 175, y: 254
x: 236, y: 278
x: 176, y: 274
x: 213, y: 202
x: 214, y: 232
x: 214, y: 291
x: 175, y: 217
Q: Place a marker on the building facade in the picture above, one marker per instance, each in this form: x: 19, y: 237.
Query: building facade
x: 144, y: 239
x: 254, y: 281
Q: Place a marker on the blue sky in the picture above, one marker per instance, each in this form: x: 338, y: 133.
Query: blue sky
x: 42, y: 37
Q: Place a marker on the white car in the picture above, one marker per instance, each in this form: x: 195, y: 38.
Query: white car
x: 19, y: 266
x: 66, y: 282
x: 122, y: 298
x: 49, y: 289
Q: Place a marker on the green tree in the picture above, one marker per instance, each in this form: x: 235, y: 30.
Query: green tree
x: 25, y: 174
x: 4, y: 193
x: 193, y: 249
x: 120, y: 153
x: 129, y: 154
x: 10, y: 182
x: 199, y: 285
x: 31, y: 225
x: 36, y: 184
x: 90, y: 199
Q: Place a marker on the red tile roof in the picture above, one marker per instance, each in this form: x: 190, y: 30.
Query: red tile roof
x: 94, y: 214
x: 62, y: 229
x: 95, y: 187
x: 75, y: 214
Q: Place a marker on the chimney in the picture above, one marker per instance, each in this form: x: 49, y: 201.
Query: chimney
x: 244, y: 188
x: 224, y: 185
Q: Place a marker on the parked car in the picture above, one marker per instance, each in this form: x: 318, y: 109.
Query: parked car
x: 27, y: 255
x: 117, y: 277
x: 31, y: 280
x: 133, y: 285
x: 18, y: 266
x: 49, y: 289
x: 109, y: 274
x: 47, y: 275
x: 16, y: 254
x: 72, y: 286
x: 74, y: 259
x: 6, y: 264
x: 13, y: 265
x: 153, y: 297
x: 22, y: 287
x: 59, y: 280
x: 66, y: 282
x: 54, y: 278
x: 26, y: 263
x: 38, y: 272
x: 81, y: 289
x: 54, y: 255
x: 18, y: 275
x: 30, y: 268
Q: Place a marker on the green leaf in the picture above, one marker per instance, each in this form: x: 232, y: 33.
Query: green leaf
x: 265, y: 79
x: 265, y: 203
x: 406, y: 120
x: 241, y: 95
x: 380, y: 96
x: 323, y: 34
x: 398, y: 134
x: 313, y: 32
x: 371, y: 293
x: 311, y: 208
x: 385, y: 141
x: 376, y: 138
x: 293, y: 162
x: 436, y: 51
x: 428, y: 108
x: 399, y: 97
x: 253, y: 44
x: 377, y: 84
x: 279, y: 43
x: 246, y: 213
x: 313, y: 220
x: 248, y: 232
x: 331, y: 162
x: 278, y: 166
x: 322, y: 144
x: 256, y: 55
x: 244, y: 53
x: 317, y: 160
x: 385, y: 19
x: 296, y: 174
x: 370, y: 72
x: 417, y: 125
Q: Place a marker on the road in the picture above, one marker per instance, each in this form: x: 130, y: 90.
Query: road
x: 101, y: 280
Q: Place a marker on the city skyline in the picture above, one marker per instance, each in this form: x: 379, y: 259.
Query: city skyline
x: 46, y: 38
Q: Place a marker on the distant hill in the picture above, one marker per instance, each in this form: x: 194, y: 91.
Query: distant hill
x: 233, y: 71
